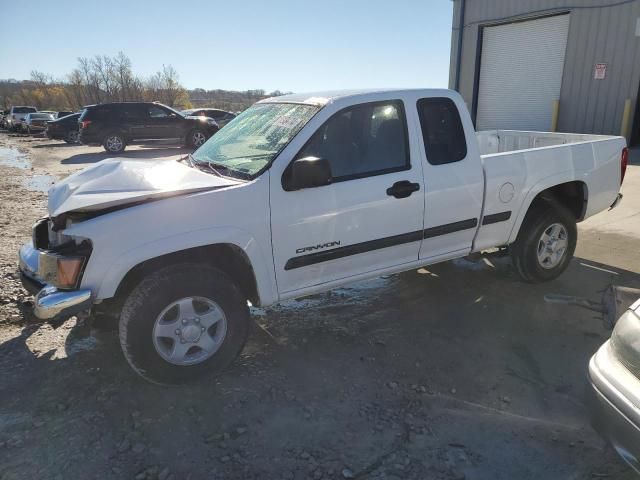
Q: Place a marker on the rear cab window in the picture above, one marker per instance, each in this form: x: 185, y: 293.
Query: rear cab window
x: 24, y: 110
x: 442, y: 131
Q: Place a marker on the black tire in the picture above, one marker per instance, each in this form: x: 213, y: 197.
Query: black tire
x: 158, y: 291
x: 524, y: 251
x: 196, y: 138
x: 114, y: 142
x: 71, y: 138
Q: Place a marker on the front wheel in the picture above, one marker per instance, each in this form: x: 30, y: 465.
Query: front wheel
x: 114, y: 143
x: 546, y: 242
x: 182, y: 322
x: 196, y: 138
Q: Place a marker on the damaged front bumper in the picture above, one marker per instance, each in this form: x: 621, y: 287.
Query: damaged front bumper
x: 51, y: 304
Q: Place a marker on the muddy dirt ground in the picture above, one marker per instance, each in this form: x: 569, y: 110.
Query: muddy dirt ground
x: 458, y: 371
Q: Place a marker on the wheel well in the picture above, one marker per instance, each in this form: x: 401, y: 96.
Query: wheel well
x: 572, y: 195
x: 229, y: 258
x: 116, y: 131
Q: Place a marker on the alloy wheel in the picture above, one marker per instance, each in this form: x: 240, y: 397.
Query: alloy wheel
x: 189, y: 331
x: 552, y: 246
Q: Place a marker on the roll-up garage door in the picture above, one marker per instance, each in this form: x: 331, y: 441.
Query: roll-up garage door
x: 521, y: 73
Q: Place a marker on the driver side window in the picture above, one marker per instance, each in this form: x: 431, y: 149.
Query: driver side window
x: 363, y: 140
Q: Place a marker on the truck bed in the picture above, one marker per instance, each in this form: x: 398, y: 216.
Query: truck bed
x: 520, y: 164
x: 493, y: 142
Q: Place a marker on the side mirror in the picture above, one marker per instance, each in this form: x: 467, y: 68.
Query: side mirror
x: 307, y: 172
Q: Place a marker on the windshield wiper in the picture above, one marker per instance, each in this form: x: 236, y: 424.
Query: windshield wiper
x: 207, y: 167
x: 219, y: 169
x: 188, y: 158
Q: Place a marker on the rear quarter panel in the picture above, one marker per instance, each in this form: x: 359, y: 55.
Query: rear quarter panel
x: 527, y: 173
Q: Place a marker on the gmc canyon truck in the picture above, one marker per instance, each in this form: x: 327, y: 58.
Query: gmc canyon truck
x: 297, y: 195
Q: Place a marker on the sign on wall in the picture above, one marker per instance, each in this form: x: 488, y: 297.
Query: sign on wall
x: 600, y: 71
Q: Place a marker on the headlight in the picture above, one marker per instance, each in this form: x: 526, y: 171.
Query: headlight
x: 625, y: 341
x: 60, y: 271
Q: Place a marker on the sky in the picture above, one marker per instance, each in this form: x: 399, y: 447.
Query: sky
x: 289, y: 45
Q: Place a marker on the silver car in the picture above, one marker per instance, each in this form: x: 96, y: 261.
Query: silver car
x: 15, y: 116
x: 36, y: 122
x: 614, y: 373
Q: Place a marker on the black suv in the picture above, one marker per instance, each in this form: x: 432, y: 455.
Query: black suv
x: 114, y: 125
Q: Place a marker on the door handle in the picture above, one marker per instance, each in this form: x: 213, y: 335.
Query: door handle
x: 402, y: 189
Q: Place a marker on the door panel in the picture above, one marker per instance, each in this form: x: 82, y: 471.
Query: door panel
x: 355, y: 224
x: 370, y: 218
x: 135, y: 117
x: 160, y: 123
x: 454, y: 180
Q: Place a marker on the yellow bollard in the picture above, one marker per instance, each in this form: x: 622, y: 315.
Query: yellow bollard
x: 626, y: 119
x: 555, y: 111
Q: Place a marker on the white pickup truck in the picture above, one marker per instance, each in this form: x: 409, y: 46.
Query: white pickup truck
x: 297, y: 195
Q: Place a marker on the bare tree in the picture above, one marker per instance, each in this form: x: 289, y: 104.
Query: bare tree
x: 40, y: 79
x: 164, y: 86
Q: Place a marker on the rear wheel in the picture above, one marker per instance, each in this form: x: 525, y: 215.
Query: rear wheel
x: 546, y: 242
x: 114, y: 142
x: 71, y: 137
x: 182, y: 322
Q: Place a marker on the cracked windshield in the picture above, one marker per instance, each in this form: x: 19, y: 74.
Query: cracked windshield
x: 249, y: 143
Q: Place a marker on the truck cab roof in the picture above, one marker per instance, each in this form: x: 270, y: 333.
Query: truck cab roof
x: 322, y: 98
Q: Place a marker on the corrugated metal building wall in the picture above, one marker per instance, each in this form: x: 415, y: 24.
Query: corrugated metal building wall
x: 600, y: 31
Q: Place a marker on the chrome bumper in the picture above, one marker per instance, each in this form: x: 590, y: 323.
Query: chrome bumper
x: 614, y: 413
x: 50, y: 303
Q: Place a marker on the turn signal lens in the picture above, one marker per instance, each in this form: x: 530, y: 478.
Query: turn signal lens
x: 68, y: 272
x: 85, y: 123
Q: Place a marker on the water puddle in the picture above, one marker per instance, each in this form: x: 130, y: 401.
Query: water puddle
x: 39, y: 183
x: 11, y: 157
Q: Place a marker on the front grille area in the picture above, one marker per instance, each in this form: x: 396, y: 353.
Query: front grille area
x: 40, y: 234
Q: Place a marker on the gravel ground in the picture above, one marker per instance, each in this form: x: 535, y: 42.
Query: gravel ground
x: 458, y: 371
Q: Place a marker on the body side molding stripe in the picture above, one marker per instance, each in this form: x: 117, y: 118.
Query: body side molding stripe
x: 450, y: 228
x: 341, y: 252
x: 496, y: 217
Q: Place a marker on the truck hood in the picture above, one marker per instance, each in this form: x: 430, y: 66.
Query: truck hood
x: 114, y: 182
